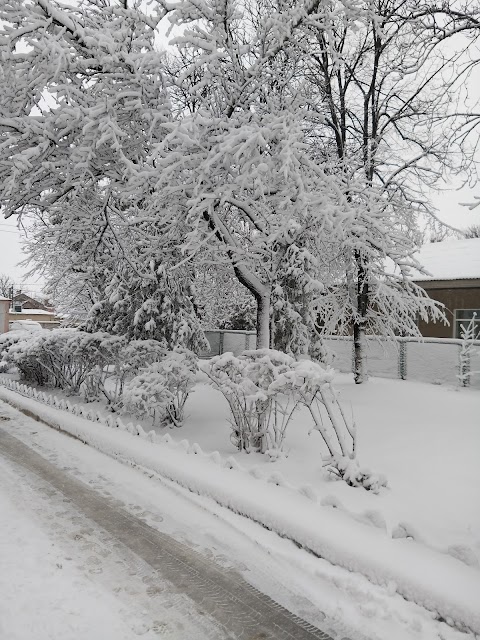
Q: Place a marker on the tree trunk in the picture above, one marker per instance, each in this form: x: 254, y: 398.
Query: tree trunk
x: 359, y: 353
x: 263, y: 321
x: 360, y: 373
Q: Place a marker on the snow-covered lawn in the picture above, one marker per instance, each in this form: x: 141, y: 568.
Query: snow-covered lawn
x: 425, y: 438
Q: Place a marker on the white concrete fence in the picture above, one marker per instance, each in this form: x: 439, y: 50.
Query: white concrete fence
x: 435, y: 360
x: 224, y: 340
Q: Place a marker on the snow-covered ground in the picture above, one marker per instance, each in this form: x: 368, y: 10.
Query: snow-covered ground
x: 346, y: 604
x: 60, y: 579
x: 425, y: 438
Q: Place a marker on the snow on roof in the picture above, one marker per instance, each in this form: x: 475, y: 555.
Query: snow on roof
x: 37, y: 312
x: 450, y: 260
x: 2, y: 299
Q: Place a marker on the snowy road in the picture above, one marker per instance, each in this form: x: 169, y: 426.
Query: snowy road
x: 81, y: 566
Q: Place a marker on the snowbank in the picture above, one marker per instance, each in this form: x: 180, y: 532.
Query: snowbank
x: 436, y: 581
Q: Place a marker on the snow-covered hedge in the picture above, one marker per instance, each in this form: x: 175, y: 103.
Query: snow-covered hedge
x: 161, y: 389
x: 77, y: 361
x: 7, y: 340
x: 63, y: 358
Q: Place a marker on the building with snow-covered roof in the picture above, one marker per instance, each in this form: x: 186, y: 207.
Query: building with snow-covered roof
x: 47, y: 319
x: 453, y: 278
x: 25, y: 301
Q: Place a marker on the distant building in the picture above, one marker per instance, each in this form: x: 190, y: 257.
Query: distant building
x: 454, y: 266
x: 27, y: 302
x: 24, y: 307
x: 4, y: 308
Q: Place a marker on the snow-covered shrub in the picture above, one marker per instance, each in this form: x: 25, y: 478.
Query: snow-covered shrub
x: 264, y: 387
x: 348, y: 469
x: 469, y: 334
x: 244, y: 383
x: 161, y: 389
x: 121, y: 361
x: 64, y: 358
x: 7, y: 340
x: 27, y: 355
x: 96, y: 364
x: 137, y: 354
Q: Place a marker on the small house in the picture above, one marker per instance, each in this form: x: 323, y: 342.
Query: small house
x: 454, y: 280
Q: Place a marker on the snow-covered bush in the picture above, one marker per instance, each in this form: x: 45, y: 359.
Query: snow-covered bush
x: 95, y: 364
x: 469, y: 333
x: 348, y: 469
x: 264, y: 388
x: 124, y: 360
x: 161, y: 389
x: 7, y: 340
x: 29, y: 358
x: 65, y: 358
x: 245, y: 383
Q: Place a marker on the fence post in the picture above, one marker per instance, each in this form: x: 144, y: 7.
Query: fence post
x: 221, y: 339
x: 464, y: 367
x: 402, y: 360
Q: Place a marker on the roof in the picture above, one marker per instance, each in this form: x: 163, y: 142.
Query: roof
x: 28, y: 300
x: 2, y: 299
x: 32, y: 312
x: 450, y: 260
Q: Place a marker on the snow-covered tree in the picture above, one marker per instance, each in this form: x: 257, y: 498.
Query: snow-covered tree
x: 473, y: 231
x: 235, y: 164
x: 86, y: 110
x: 6, y: 285
x: 385, y: 93
x: 223, y: 303
x: 115, y: 285
x: 277, y: 130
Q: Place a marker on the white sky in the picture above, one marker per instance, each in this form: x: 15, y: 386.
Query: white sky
x: 11, y: 254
